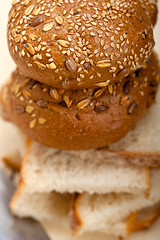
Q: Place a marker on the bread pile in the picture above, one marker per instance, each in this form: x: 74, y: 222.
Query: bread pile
x: 85, y: 80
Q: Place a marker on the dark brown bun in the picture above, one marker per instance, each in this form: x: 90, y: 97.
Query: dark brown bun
x: 80, y: 119
x: 79, y: 44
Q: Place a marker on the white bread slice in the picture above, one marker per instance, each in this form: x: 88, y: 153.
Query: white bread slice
x: 49, y: 208
x: 52, y: 211
x: 12, y: 145
x: 95, y: 212
x: 140, y: 147
x: 59, y: 232
x: 45, y: 170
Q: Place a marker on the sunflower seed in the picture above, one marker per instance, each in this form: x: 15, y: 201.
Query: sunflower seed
x: 126, y: 87
x: 132, y: 107
x: 42, y: 103
x: 32, y: 123
x: 71, y: 65
x: 36, y: 21
x: 99, y: 109
x: 20, y: 109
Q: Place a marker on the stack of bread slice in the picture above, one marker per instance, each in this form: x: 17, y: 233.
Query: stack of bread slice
x: 85, y: 94
x: 114, y: 192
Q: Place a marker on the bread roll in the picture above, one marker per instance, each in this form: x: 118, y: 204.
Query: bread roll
x: 79, y: 44
x: 81, y: 119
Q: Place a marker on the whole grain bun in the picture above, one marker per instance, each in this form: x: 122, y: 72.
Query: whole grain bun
x: 80, y: 119
x: 79, y: 44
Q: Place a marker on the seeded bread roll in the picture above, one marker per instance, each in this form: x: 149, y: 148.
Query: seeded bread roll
x: 79, y: 44
x: 80, y: 119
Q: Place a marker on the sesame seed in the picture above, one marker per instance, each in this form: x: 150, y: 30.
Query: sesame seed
x: 29, y: 109
x: 32, y: 123
x: 52, y: 65
x: 41, y: 120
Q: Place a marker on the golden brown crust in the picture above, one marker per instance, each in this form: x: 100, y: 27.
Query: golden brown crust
x: 137, y: 221
x: 75, y: 219
x: 143, y: 219
x: 79, y: 44
x: 108, y: 156
x: 81, y: 119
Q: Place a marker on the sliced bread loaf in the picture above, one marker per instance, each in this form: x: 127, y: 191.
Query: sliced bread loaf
x: 96, y: 212
x: 45, y: 170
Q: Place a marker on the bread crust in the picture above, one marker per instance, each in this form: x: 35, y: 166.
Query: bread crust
x: 81, y: 44
x: 136, y: 221
x: 82, y: 119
